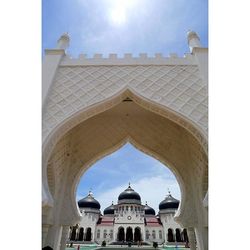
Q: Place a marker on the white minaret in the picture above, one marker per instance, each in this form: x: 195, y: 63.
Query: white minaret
x: 193, y: 40
x: 63, y: 41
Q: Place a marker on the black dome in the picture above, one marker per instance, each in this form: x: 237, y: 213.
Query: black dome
x: 89, y: 202
x: 110, y: 209
x: 169, y: 202
x: 149, y: 210
x: 129, y: 194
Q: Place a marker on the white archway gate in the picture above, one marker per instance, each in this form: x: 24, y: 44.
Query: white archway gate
x: 92, y: 106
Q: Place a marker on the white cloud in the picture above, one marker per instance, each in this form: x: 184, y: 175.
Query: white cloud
x: 151, y: 189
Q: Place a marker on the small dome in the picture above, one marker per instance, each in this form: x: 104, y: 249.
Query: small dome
x: 110, y: 209
x: 129, y: 194
x: 169, y: 202
x: 89, y: 202
x: 149, y: 210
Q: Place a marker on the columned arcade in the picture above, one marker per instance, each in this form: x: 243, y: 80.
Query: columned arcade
x: 91, y: 107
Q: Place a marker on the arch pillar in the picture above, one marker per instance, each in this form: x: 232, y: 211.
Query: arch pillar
x: 46, y: 223
x: 45, y: 229
x: 64, y: 237
x: 202, y: 237
x: 54, y: 237
x: 191, y: 237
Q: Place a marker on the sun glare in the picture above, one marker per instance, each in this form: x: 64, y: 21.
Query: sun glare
x: 118, y: 16
x: 119, y: 11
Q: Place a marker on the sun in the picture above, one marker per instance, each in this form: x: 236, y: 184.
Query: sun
x: 119, y: 11
x: 118, y: 15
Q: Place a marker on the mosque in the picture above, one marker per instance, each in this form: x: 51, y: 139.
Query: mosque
x: 127, y: 221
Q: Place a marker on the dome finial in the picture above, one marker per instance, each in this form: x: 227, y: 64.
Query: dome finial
x: 193, y: 40
x: 129, y: 185
x: 146, y: 203
x: 112, y: 203
x: 90, y: 192
x: 63, y: 41
x: 169, y: 192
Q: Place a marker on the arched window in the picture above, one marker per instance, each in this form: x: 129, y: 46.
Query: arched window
x: 73, y: 234
x: 121, y: 234
x: 88, y: 234
x: 111, y: 233
x: 129, y: 234
x: 153, y: 234
x: 80, y: 236
x: 137, y: 234
x: 177, y: 235
x: 98, y: 234
x: 185, y: 236
x: 160, y: 234
x: 170, y: 235
x: 105, y: 234
x: 147, y: 235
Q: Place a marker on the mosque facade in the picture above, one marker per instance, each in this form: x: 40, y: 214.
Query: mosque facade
x: 127, y: 221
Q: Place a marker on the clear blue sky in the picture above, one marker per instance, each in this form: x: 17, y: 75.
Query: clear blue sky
x: 125, y: 26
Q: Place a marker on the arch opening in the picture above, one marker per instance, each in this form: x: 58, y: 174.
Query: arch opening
x: 185, y: 235
x: 128, y: 121
x: 170, y: 236
x: 81, y: 233
x: 178, y: 235
x: 121, y: 234
x: 137, y: 234
x: 141, y: 169
x: 129, y: 234
x: 83, y: 115
x: 88, y: 236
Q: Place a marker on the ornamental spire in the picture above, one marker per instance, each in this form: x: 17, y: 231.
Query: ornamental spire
x: 193, y: 40
x: 169, y: 194
x: 63, y: 41
x: 90, y: 192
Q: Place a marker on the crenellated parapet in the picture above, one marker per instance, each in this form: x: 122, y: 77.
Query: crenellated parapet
x: 128, y: 59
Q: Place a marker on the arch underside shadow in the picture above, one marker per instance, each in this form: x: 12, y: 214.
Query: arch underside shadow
x: 148, y: 131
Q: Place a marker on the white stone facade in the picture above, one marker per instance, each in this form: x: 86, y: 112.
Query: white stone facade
x: 85, y: 118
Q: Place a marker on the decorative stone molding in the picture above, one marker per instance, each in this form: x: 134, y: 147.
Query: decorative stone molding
x: 179, y: 88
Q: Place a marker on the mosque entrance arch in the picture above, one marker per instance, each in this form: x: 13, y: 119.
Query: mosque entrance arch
x: 121, y: 234
x: 129, y: 234
x: 137, y: 234
x: 147, y: 128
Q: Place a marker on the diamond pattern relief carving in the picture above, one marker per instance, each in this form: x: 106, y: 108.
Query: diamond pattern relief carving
x: 178, y: 87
